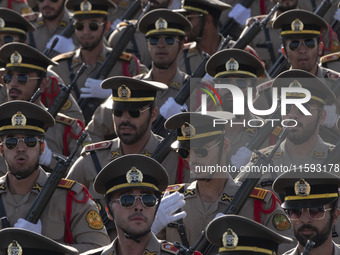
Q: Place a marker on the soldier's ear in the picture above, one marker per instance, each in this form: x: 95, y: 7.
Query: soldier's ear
x: 108, y: 213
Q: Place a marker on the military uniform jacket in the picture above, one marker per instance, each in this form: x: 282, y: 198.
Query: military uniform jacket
x: 331, y: 61
x: 85, y: 224
x: 154, y: 247
x: 69, y: 64
x: 42, y: 34
x: 296, y: 252
x: 199, y: 214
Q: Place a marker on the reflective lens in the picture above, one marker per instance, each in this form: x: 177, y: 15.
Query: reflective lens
x: 12, y: 142
x: 92, y: 25
x: 21, y: 78
x: 315, y: 213
x: 129, y: 200
x: 169, y: 40
x: 134, y: 113
x: 309, y: 43
x: 201, y: 152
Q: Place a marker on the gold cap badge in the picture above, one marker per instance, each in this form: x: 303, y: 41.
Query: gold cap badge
x: 16, y: 58
x: 2, y: 23
x: 134, y: 175
x: 232, y: 65
x: 18, y: 119
x: 161, y: 24
x: 14, y: 248
x: 85, y: 6
x: 302, y: 188
x: 295, y: 84
x: 188, y: 130
x: 229, y: 239
x: 124, y: 92
x: 297, y: 25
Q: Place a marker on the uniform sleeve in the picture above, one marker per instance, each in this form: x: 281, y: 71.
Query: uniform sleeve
x: 79, y: 171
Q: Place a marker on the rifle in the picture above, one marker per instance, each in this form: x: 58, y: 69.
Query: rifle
x: 64, y: 93
x: 52, y: 183
x: 242, y: 194
x: 230, y: 24
x: 89, y: 105
x: 254, y: 29
x: 281, y: 64
x: 310, y: 244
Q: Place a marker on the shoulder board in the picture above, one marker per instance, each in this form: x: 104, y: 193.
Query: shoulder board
x: 251, y: 20
x: 330, y: 57
x: 97, y: 146
x: 63, y: 119
x: 258, y: 193
x: 125, y: 56
x: 332, y: 75
x: 40, y: 22
x: 169, y: 248
x: 125, y: 23
x: 175, y: 187
x: 264, y: 86
x: 63, y: 56
x: 66, y: 183
x: 277, y: 130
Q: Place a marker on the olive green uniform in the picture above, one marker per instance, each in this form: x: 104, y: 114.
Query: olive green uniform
x: 86, y: 226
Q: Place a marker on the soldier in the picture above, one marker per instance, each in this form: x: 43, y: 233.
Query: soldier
x: 51, y: 21
x: 22, y: 132
x: 204, y: 145
x: 132, y: 185
x: 134, y: 111
x: 21, y: 241
x: 25, y: 72
x: 235, y: 234
x: 311, y: 203
x: 164, y: 31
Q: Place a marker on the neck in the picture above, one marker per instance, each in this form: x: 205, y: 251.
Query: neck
x: 130, y: 247
x: 211, y: 190
x: 52, y: 25
x: 91, y: 57
x: 301, y: 150
x: 165, y: 76
x: 136, y: 148
x: 23, y: 186
x: 210, y: 41
x: 327, y: 248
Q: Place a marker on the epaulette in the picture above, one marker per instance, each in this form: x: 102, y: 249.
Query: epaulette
x: 259, y: 193
x: 264, y: 86
x: 97, y: 146
x: 175, y: 187
x: 125, y: 56
x: 169, y: 247
x: 63, y: 56
x: 251, y: 20
x: 125, y: 23
x: 277, y: 130
x: 332, y: 75
x: 191, y: 46
x: 63, y: 119
x: 330, y: 57
x: 66, y: 184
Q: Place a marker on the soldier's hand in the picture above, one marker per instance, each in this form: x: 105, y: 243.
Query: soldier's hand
x: 167, y: 211
x: 331, y: 116
x: 63, y: 45
x: 93, y: 89
x: 170, y: 107
x: 241, y: 157
x: 46, y: 158
x: 240, y: 13
x: 24, y: 224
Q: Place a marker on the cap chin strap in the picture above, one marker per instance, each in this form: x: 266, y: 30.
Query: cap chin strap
x: 136, y: 238
x: 24, y: 176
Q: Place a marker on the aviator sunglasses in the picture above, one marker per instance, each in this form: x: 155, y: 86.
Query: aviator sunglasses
x: 21, y: 78
x: 30, y: 142
x: 169, y: 40
x: 93, y: 25
x: 134, y: 113
x: 315, y: 213
x: 129, y: 200
x: 309, y: 43
x: 201, y: 152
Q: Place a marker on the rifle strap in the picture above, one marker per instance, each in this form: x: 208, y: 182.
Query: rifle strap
x: 3, y: 216
x: 181, y: 230
x: 187, y: 62
x: 269, y: 44
x: 313, y: 2
x: 95, y: 161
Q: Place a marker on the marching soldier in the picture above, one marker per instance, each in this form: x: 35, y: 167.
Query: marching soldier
x: 25, y: 72
x: 70, y: 216
x: 235, y: 234
x: 311, y: 202
x: 132, y: 185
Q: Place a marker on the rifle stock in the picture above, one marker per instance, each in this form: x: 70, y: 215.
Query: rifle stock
x: 52, y: 183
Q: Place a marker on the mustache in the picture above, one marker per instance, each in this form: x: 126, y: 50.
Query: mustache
x: 126, y: 124
x: 137, y: 214
x: 15, y: 90
x: 307, y: 226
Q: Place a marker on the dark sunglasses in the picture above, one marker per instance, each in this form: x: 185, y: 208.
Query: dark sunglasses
x: 53, y: 1
x: 309, y: 43
x: 315, y: 213
x: 129, y: 200
x: 201, y: 152
x: 21, y: 78
x: 169, y: 40
x: 8, y: 39
x: 93, y: 25
x: 30, y: 142
x: 289, y: 108
x: 134, y: 113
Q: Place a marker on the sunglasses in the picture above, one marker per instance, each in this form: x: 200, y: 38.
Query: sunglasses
x: 129, y: 200
x: 8, y: 39
x: 53, y: 1
x: 21, y: 78
x: 169, y: 40
x: 30, y: 142
x: 315, y: 213
x: 201, y: 152
x: 134, y: 113
x: 309, y: 43
x: 93, y: 25
x: 290, y: 107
